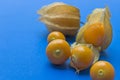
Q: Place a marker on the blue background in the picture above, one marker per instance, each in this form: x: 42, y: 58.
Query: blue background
x: 23, y: 40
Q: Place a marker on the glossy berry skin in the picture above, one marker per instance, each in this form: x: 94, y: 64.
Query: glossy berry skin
x: 82, y: 57
x: 55, y: 35
x: 58, y: 51
x: 102, y: 70
x: 95, y: 34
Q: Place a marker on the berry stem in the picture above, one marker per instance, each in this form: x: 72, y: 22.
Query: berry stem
x: 100, y: 72
x: 57, y: 52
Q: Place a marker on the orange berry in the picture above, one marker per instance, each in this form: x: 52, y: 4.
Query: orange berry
x: 102, y: 70
x: 82, y: 57
x: 95, y: 34
x: 58, y: 51
x: 55, y: 35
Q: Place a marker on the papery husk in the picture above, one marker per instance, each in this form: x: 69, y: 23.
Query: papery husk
x: 98, y: 16
x: 95, y: 51
x: 61, y: 17
x: 65, y: 31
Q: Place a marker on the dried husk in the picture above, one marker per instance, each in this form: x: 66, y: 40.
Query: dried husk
x: 61, y: 17
x: 98, y: 16
x: 95, y: 51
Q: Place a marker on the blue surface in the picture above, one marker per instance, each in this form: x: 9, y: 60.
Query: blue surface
x: 23, y: 41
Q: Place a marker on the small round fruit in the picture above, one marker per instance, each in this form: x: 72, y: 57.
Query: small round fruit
x: 58, y: 51
x: 95, y: 34
x: 102, y: 70
x: 82, y: 57
x: 55, y: 35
